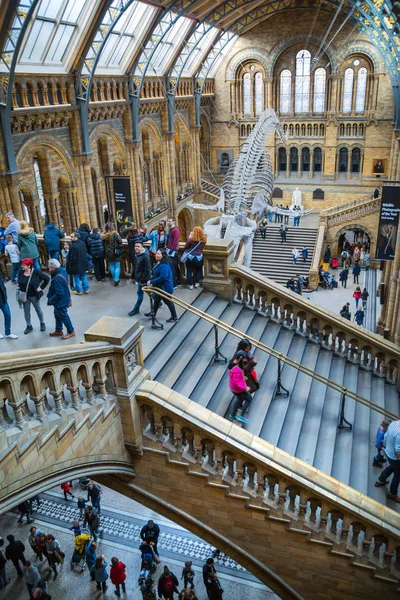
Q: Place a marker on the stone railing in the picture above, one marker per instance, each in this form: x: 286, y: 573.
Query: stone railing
x: 54, y: 386
x: 333, y: 332
x: 319, y: 247
x: 284, y: 489
x: 350, y: 211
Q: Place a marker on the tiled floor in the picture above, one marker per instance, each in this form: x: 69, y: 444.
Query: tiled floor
x: 122, y: 520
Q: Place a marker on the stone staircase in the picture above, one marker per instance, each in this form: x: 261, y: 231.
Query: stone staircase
x: 303, y: 424
x: 273, y: 259
x: 210, y: 188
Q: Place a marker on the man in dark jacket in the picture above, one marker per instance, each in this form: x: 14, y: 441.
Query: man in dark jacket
x: 92, y: 519
x: 141, y: 274
x: 3, y: 562
x: 167, y: 585
x: 96, y: 251
x: 78, y: 264
x: 356, y: 271
x: 208, y: 570
x: 59, y: 296
x: 5, y: 309
x: 150, y: 534
x: 52, y: 237
x: 24, y: 509
x: 172, y: 249
x: 15, y: 552
x: 94, y: 495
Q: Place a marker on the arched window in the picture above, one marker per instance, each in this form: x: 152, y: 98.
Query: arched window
x: 343, y: 159
x: 361, y: 89
x: 355, y: 160
x: 246, y: 94
x: 305, y: 159
x: 319, y: 90
x: 302, y: 87
x: 294, y: 159
x: 282, y: 159
x: 258, y: 93
x: 286, y: 92
x: 348, y: 90
x: 317, y: 160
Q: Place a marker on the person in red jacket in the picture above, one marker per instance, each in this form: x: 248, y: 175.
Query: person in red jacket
x: 357, y: 295
x: 238, y: 385
x: 66, y: 488
x: 118, y: 575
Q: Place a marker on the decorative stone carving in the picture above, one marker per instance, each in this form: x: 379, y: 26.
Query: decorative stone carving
x: 131, y: 361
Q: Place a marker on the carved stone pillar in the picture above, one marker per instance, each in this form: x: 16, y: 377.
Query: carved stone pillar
x: 170, y: 171
x: 218, y: 256
x: 89, y: 193
x: 136, y: 149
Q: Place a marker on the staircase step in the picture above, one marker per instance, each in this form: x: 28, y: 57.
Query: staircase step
x: 298, y: 401
x: 207, y: 384
x: 273, y: 422
x: 260, y: 406
x: 307, y: 443
x: 344, y: 439
x: 203, y: 358
x: 326, y: 436
x: 172, y: 370
x: 164, y: 351
x: 361, y: 443
x: 378, y: 396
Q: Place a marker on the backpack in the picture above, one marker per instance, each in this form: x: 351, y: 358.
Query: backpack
x: 168, y: 585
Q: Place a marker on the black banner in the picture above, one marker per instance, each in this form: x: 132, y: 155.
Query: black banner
x: 388, y: 223
x: 122, y: 201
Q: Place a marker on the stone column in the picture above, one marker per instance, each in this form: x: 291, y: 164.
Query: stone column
x: 170, y: 171
x: 132, y: 179
x: 269, y: 101
x: 196, y: 166
x: 81, y: 189
x: 136, y: 149
x: 311, y: 172
x: 12, y: 198
x: 218, y: 256
x: 91, y: 204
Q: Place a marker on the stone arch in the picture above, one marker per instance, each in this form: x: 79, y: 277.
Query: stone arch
x: 351, y: 227
x: 101, y: 130
x: 284, y: 45
x: 185, y: 223
x: 46, y: 141
x: 362, y: 48
x: 246, y: 55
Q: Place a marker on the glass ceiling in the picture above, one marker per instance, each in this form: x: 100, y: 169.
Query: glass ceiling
x: 59, y: 26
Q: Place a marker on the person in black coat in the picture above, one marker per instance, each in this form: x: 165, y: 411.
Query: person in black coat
x: 167, y: 585
x: 133, y: 236
x: 32, y: 282
x: 214, y: 590
x: 5, y: 309
x: 150, y: 534
x: 78, y: 264
x: 208, y: 570
x: 141, y: 274
x: 343, y: 276
x: 24, y: 509
x: 96, y: 250
x: 59, y: 297
x: 15, y: 552
x: 84, y: 232
x: 356, y: 271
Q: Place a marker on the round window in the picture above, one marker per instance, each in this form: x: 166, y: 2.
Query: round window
x: 252, y: 68
x: 356, y: 62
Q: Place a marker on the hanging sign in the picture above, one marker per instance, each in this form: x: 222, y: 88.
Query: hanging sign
x: 122, y: 201
x: 388, y: 223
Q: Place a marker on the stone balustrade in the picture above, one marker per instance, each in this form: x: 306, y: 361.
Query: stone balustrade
x: 351, y: 211
x: 284, y: 489
x: 321, y: 326
x: 40, y: 390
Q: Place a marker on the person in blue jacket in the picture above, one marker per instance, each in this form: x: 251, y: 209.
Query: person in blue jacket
x: 59, y: 296
x: 158, y: 239
x: 163, y: 279
x: 52, y: 237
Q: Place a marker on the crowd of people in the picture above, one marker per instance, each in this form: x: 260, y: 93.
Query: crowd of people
x: 86, y: 529
x: 87, y: 254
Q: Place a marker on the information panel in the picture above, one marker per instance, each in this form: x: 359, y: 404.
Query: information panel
x: 122, y: 201
x: 388, y: 223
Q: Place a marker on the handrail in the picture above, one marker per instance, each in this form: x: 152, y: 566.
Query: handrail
x: 271, y: 351
x: 338, y: 208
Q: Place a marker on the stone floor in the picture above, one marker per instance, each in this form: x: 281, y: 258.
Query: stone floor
x: 122, y: 519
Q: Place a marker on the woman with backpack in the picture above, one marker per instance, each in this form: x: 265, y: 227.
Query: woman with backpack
x: 238, y: 385
x: 113, y: 249
x: 364, y: 298
x: 194, y: 252
x: 53, y: 554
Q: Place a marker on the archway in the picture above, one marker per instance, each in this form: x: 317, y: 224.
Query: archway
x: 353, y: 235
x: 185, y: 223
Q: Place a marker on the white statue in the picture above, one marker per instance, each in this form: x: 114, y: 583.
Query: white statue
x: 296, y: 200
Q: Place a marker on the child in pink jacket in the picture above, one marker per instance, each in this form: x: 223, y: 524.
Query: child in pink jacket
x: 238, y: 385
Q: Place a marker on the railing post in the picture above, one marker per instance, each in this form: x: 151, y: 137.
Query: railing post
x: 128, y: 370
x: 218, y: 256
x: 314, y: 269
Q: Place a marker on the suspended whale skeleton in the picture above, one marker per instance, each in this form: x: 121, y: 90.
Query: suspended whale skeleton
x: 247, y: 188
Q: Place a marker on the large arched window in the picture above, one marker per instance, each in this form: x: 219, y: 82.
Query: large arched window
x: 317, y: 160
x: 348, y: 90
x: 361, y: 89
x: 282, y: 159
x: 302, y: 85
x: 305, y: 159
x: 258, y: 93
x: 247, y: 95
x: 294, y: 159
x: 319, y: 90
x: 343, y: 160
x: 355, y: 160
x: 285, y: 92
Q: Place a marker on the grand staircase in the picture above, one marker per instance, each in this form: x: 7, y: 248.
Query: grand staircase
x: 305, y: 424
x: 273, y: 259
